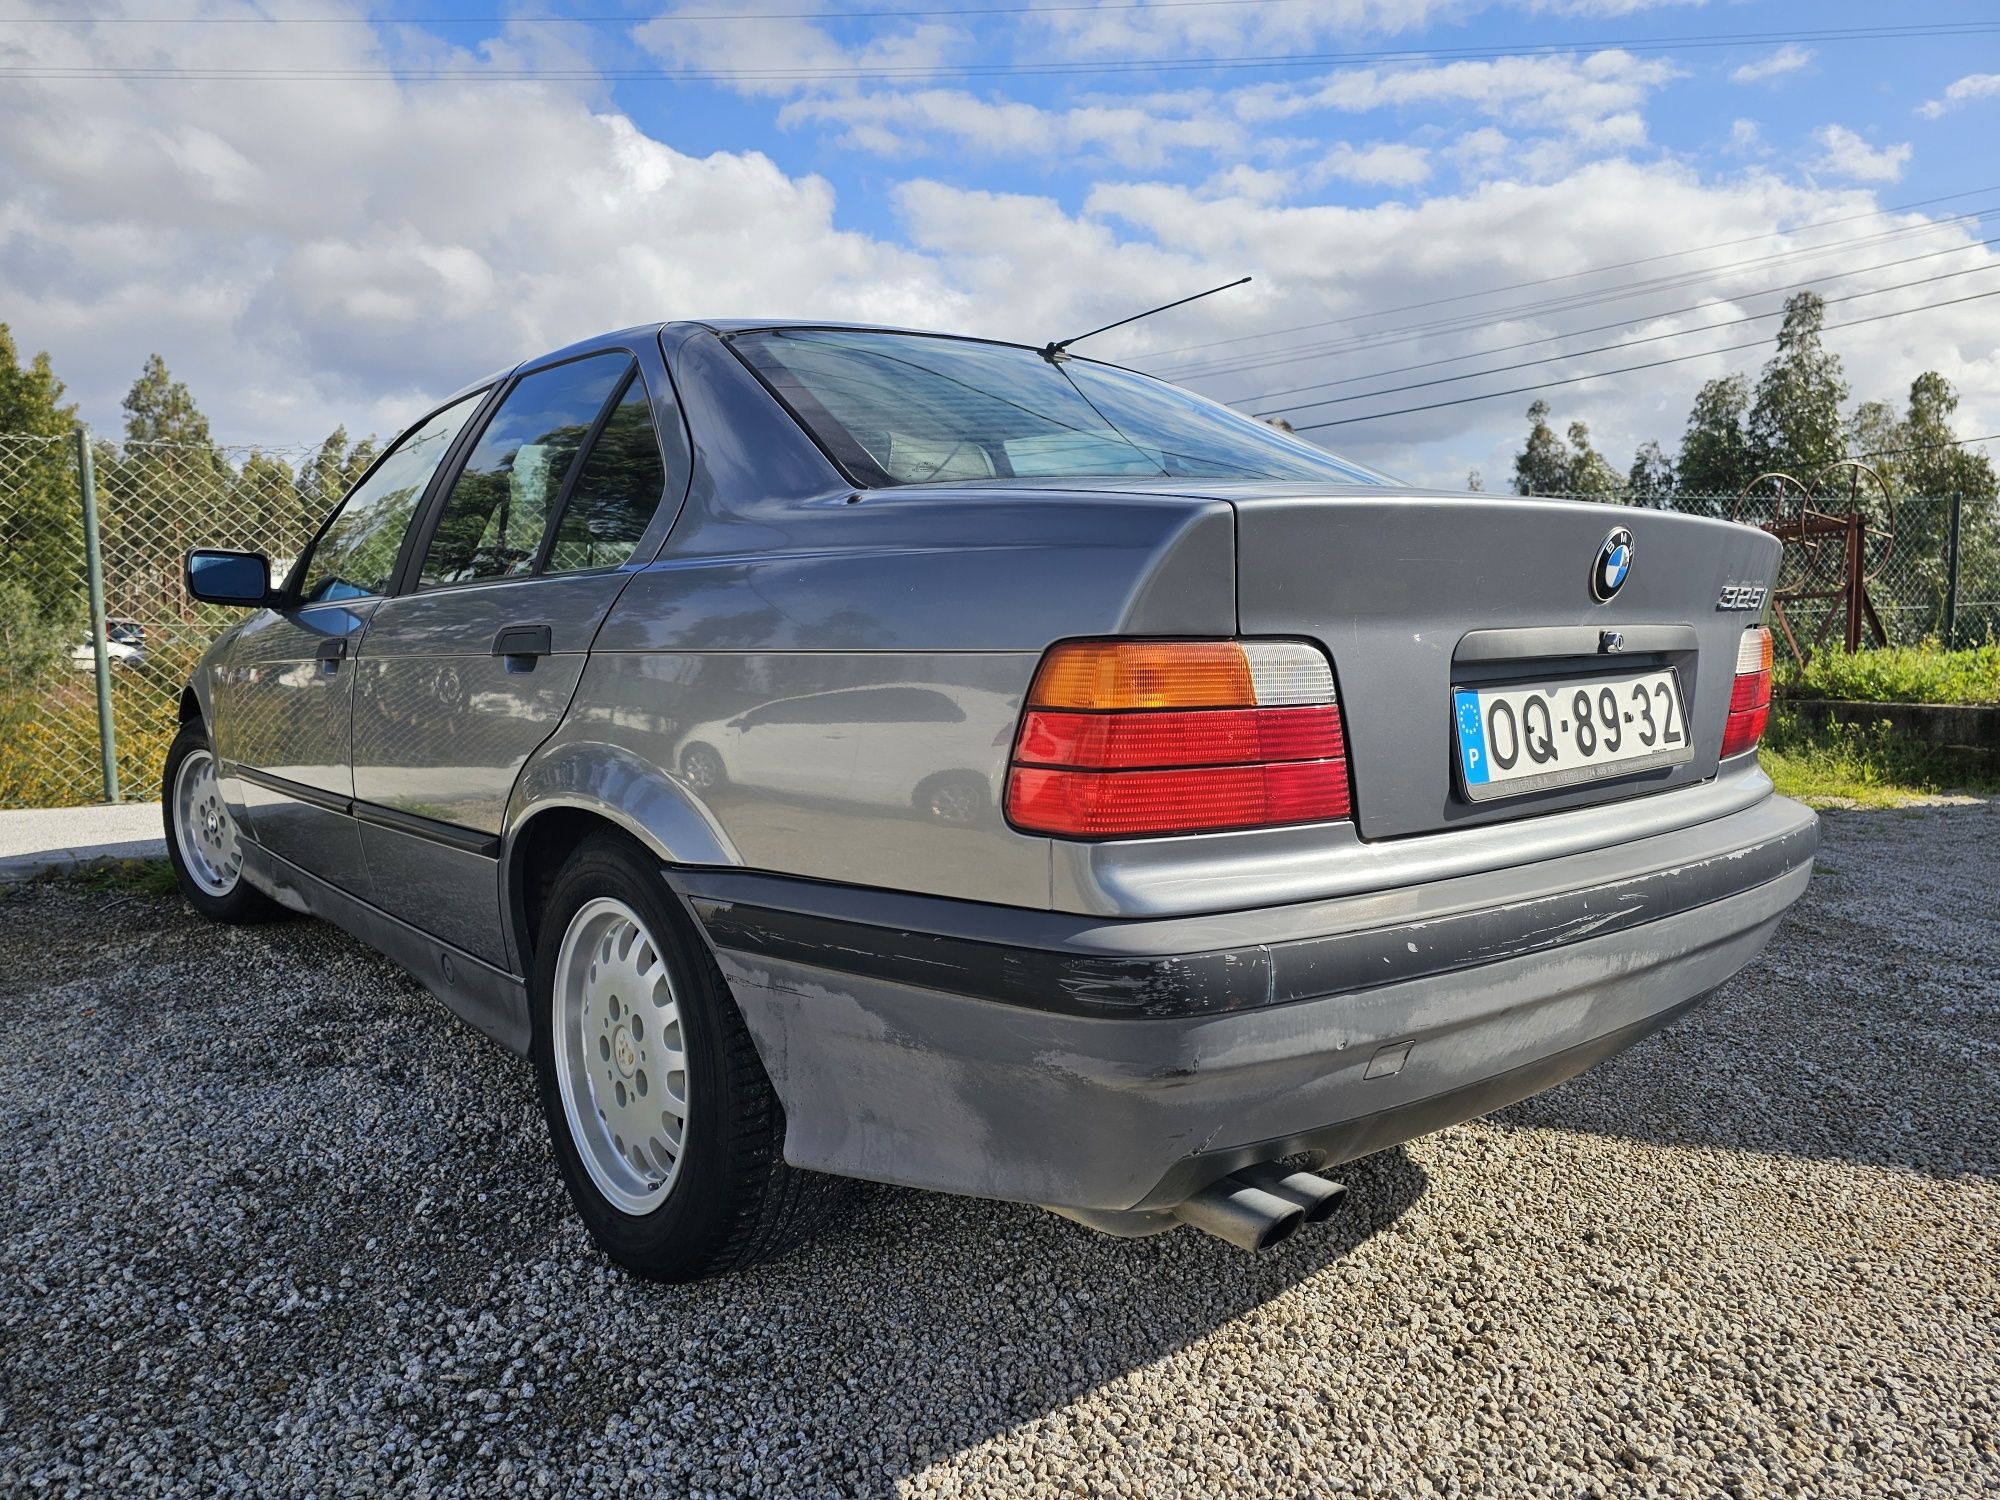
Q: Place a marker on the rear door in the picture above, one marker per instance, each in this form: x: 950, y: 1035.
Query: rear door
x: 283, y: 701
x: 473, y: 662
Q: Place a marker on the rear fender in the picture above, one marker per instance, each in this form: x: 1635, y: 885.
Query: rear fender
x: 616, y: 786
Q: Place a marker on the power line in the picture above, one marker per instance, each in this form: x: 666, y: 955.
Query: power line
x: 1678, y: 333
x: 1991, y: 437
x: 629, y: 19
x: 1678, y: 359
x: 1292, y: 354
x: 1622, y: 265
x: 139, y: 72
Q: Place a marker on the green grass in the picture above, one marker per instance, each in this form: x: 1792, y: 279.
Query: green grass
x: 1866, y: 766
x: 1895, y: 674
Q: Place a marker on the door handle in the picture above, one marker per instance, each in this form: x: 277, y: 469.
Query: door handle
x: 524, y: 642
x: 331, y: 653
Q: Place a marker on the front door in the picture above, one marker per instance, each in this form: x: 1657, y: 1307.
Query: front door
x: 473, y: 663
x: 283, y: 699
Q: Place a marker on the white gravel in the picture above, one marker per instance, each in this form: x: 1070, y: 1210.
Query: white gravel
x: 273, y: 1223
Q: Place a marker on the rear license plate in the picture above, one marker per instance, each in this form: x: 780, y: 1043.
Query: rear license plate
x: 1529, y: 737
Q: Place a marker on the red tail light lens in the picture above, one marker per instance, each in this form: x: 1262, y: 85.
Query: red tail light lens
x: 1750, y: 694
x: 1147, y: 737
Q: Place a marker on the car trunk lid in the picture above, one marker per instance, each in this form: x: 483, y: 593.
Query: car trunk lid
x: 1413, y: 595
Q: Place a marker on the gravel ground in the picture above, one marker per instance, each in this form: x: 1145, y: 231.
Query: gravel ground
x: 274, y: 1223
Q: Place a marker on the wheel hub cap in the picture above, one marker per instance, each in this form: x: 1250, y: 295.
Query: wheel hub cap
x: 621, y: 1067
x: 203, y: 830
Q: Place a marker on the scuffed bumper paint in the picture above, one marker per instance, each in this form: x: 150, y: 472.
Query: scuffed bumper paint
x: 937, y: 1068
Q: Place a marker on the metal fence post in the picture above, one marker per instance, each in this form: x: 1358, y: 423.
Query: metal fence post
x: 93, y: 565
x: 1951, y: 573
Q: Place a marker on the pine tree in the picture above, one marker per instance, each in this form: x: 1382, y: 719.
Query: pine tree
x: 1715, y: 450
x: 41, y: 525
x: 1542, y: 466
x: 1795, y: 423
x: 169, y: 489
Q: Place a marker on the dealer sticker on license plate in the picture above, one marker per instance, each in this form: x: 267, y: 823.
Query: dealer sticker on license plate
x: 1529, y: 737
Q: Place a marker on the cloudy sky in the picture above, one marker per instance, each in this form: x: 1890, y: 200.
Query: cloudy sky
x: 321, y: 211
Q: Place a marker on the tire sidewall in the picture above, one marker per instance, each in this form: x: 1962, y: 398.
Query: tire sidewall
x: 696, y: 1215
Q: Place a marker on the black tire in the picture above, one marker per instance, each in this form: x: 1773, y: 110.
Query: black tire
x: 702, y: 767
x: 241, y: 902
x: 733, y: 1201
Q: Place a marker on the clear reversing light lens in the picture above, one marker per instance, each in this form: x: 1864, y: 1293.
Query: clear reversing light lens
x: 1749, y: 694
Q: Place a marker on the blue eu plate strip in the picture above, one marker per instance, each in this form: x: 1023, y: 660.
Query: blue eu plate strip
x: 1471, y: 737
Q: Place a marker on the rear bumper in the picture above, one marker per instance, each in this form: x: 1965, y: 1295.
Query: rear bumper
x: 1106, y: 1067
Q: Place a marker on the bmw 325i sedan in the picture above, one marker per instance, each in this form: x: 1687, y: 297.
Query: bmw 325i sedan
x: 840, y: 752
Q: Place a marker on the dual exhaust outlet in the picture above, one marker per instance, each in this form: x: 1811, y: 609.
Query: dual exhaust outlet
x: 1262, y: 1205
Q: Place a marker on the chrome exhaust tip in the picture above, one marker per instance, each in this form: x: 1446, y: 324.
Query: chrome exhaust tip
x: 1246, y: 1216
x: 1314, y: 1195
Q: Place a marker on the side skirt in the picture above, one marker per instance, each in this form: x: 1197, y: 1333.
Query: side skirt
x: 488, y: 999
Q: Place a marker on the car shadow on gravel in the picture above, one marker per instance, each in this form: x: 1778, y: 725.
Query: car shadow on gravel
x: 1868, y: 1031
x: 331, y: 1249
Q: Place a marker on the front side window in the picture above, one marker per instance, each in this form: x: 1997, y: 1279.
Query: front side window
x: 502, y: 501
x: 896, y: 408
x: 356, y: 554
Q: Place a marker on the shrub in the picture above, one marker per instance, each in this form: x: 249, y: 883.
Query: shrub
x: 1896, y: 674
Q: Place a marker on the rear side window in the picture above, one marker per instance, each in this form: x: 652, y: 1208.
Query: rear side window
x: 502, y: 501
x: 616, y: 491
x: 356, y: 554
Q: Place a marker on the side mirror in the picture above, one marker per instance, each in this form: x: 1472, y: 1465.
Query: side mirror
x: 217, y: 577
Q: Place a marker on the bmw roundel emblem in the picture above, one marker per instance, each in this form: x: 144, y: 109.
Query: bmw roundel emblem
x: 1613, y: 566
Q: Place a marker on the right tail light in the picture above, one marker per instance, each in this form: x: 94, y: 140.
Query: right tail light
x: 1750, y: 694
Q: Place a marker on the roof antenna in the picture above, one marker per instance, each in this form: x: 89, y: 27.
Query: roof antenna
x: 1054, y: 352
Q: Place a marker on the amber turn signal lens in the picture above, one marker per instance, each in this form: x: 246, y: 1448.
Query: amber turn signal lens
x: 1144, y: 674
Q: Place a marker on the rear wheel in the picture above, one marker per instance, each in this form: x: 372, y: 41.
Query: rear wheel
x: 203, y: 843
x: 665, y: 1127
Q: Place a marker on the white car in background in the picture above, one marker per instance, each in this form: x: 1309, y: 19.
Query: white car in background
x: 124, y: 646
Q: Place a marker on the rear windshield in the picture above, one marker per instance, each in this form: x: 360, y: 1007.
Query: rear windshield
x: 903, y: 408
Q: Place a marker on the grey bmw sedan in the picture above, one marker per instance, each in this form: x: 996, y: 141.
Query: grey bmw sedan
x: 841, y: 752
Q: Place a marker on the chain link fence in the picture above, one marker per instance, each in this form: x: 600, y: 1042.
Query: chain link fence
x: 1940, y: 580
x: 153, y: 502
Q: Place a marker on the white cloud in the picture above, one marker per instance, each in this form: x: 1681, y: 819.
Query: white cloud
x: 755, y: 50
x: 1570, y: 93
x: 925, y: 121
x: 309, y: 254
x: 1745, y: 136
x: 1787, y: 59
x: 1964, y: 91
x: 342, y: 252
x: 1315, y: 262
x: 1384, y: 163
x: 1849, y: 155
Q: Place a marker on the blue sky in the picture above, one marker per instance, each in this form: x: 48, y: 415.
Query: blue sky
x: 313, y: 250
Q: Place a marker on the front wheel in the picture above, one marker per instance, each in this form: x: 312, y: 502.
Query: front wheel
x: 203, y: 843
x: 665, y: 1127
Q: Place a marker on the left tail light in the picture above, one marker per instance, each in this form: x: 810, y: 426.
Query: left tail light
x: 1750, y: 695
x: 1124, y: 738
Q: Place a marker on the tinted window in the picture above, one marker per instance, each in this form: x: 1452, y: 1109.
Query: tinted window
x: 911, y: 409
x: 616, y: 492
x: 356, y: 554
x: 502, y: 500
